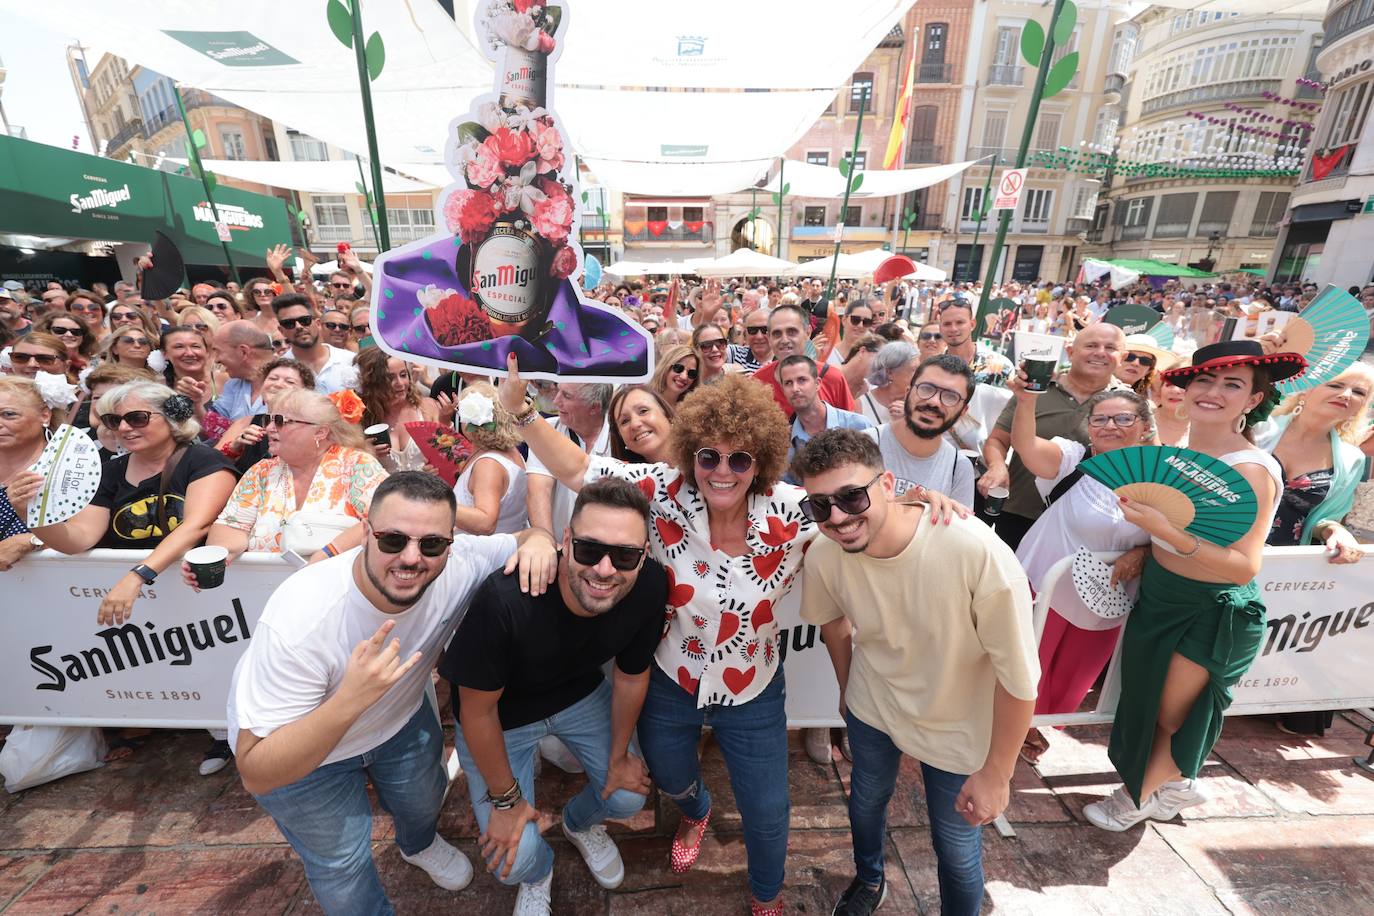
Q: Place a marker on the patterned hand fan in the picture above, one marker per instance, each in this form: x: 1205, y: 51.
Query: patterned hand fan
x: 1331, y: 333
x: 1163, y: 335
x: 444, y: 448
x: 70, y: 462
x: 1197, y: 493
x: 1092, y: 580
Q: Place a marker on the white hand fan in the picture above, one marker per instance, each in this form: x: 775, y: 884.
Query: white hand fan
x: 1092, y: 581
x: 70, y: 464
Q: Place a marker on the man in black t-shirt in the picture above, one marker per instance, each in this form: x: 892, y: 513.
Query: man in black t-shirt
x: 522, y: 668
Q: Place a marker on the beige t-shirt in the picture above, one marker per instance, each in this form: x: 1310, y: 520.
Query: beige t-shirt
x: 935, y: 629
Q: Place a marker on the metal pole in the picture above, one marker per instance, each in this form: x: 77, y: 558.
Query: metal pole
x: 983, y: 204
x: 194, y: 153
x: 782, y: 162
x: 365, y: 84
x: 368, y: 203
x: 1037, y: 93
x: 844, y: 207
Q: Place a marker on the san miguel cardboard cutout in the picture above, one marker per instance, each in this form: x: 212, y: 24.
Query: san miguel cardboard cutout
x: 500, y: 280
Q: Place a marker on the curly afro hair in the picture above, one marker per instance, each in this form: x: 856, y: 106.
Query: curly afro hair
x: 741, y: 412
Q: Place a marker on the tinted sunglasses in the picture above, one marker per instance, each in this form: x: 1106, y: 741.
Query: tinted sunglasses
x: 83, y: 307
x: 589, y: 553
x: 757, y: 329
x: 304, y: 321
x: 336, y: 326
x: 932, y: 336
x: 262, y: 291
x: 431, y: 545
x: 680, y: 369
x: 281, y: 422
x: 117, y: 317
x: 196, y: 326
x: 342, y: 285
x: 67, y: 332
x: 135, y: 341
x: 852, y: 501
x: 362, y: 329
x: 137, y: 419
x: 713, y: 344
x: 708, y: 459
x: 1120, y: 420
x: 1144, y: 359
x: 858, y: 322
x: 43, y: 359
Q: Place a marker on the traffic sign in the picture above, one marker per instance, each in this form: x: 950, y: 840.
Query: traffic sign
x: 1009, y: 188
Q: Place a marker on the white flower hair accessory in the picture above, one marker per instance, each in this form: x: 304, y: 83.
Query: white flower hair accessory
x: 5, y: 362
x: 55, y: 390
x: 157, y: 362
x: 477, y: 410
x: 83, y: 375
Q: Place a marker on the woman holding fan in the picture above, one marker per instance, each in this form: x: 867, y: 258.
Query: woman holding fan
x: 1199, y: 621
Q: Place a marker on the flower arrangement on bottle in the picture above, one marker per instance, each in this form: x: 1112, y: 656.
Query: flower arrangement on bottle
x: 453, y: 318
x: 526, y: 24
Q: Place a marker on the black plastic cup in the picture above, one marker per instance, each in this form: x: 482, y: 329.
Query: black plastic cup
x: 207, y: 565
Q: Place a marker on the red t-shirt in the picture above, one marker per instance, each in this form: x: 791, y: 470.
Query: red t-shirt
x: 834, y: 390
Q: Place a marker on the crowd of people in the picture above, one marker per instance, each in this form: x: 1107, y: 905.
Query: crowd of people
x: 602, y: 577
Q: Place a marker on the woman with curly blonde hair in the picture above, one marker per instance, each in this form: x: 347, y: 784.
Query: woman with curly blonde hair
x: 491, y: 489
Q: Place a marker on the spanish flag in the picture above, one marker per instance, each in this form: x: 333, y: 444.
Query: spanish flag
x: 892, y: 158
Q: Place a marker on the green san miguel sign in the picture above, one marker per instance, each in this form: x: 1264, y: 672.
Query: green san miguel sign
x: 45, y: 190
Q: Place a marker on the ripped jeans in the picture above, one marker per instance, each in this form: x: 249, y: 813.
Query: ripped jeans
x: 752, y: 738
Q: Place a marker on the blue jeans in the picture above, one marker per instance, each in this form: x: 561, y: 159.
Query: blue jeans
x: 753, y: 740
x: 585, y: 727
x: 958, y: 844
x: 327, y: 818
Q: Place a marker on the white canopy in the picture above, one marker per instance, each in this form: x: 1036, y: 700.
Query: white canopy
x: 641, y: 268
x: 807, y: 180
x: 745, y: 262
x: 312, y: 177
x: 328, y: 267
x: 873, y: 258
x: 1119, y: 276
x: 860, y: 264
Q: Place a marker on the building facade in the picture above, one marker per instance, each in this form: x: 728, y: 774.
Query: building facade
x: 1328, y: 235
x: 1204, y: 90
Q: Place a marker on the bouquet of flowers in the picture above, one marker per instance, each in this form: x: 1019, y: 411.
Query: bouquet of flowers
x: 526, y: 24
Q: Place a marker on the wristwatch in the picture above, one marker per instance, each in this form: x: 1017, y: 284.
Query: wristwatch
x: 146, y: 573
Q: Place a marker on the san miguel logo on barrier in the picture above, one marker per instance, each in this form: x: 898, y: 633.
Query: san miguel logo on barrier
x: 1304, y: 633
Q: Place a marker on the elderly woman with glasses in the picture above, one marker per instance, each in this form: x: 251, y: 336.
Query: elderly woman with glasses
x: 731, y: 536
x: 134, y: 508
x: 25, y: 419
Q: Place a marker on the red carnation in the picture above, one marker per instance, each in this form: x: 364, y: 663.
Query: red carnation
x: 564, y: 263
x: 470, y: 214
x: 457, y: 320
x: 513, y: 147
x: 523, y: 6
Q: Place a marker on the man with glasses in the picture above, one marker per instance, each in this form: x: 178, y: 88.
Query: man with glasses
x: 756, y: 350
x: 787, y: 334
x: 322, y: 703
x: 242, y: 349
x: 333, y: 366
x: 948, y: 680
x: 798, y: 377
x: 916, y: 450
x: 522, y: 668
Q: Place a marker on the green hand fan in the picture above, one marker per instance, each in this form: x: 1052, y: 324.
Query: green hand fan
x: 1163, y: 335
x: 1133, y: 318
x: 1197, y: 493
x: 1331, y: 333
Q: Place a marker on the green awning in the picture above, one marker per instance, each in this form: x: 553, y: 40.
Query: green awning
x: 1151, y: 268
x: 45, y: 190
x: 1253, y: 271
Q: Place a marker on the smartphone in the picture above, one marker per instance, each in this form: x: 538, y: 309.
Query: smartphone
x: 295, y: 560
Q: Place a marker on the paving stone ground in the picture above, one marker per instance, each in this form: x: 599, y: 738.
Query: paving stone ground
x: 1289, y: 829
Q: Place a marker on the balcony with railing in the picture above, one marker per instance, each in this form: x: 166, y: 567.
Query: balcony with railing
x: 126, y: 133
x: 1347, y: 19
x: 331, y: 233
x: 1006, y: 75
x: 1218, y: 92
x: 649, y: 231
x: 399, y: 234
x: 919, y: 152
x: 934, y: 73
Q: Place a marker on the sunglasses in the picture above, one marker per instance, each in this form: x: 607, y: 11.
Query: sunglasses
x: 117, y: 317
x: 336, y: 326
x: 43, y: 359
x: 935, y: 336
x: 680, y: 369
x: 589, y: 553
x: 1119, y: 420
x: 1143, y: 358
x: 196, y: 326
x: 431, y: 545
x: 281, y: 422
x: 362, y: 329
x: 262, y: 291
x: 137, y: 419
x: 713, y: 344
x: 67, y: 332
x: 304, y: 321
x: 88, y: 307
x: 852, y: 501
x: 134, y: 341
x: 925, y: 391
x: 858, y: 322
x: 757, y: 329
x: 342, y: 285
x: 708, y: 459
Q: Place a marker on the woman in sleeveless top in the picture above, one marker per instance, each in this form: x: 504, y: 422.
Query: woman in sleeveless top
x: 1199, y: 621
x: 491, y: 489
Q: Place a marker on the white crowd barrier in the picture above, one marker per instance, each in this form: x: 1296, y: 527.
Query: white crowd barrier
x: 169, y: 666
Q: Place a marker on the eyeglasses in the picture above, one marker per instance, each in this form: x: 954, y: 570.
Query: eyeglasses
x: 336, y: 326
x: 117, y: 317
x: 83, y: 307
x: 589, y: 553
x: 925, y: 391
x: 851, y: 500
x: 680, y: 369
x: 219, y: 306
x: 1120, y: 420
x: 43, y: 359
x: 262, y: 291
x: 708, y: 459
x: 134, y: 341
x: 932, y: 336
x: 431, y: 545
x: 67, y: 332
x: 196, y: 326
x: 304, y: 321
x: 281, y: 422
x: 858, y: 322
x: 137, y: 419
x: 278, y: 344
x: 1144, y: 359
x: 713, y: 344
x: 757, y: 329
x: 362, y: 329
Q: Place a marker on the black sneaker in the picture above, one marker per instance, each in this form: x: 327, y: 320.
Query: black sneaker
x: 216, y: 758
x: 859, y: 899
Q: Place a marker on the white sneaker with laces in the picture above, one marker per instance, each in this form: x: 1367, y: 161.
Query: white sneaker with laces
x: 600, y: 853
x: 1117, y: 812
x: 447, y: 866
x: 535, y: 899
x: 1174, y: 796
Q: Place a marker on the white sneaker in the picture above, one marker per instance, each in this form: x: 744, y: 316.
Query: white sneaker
x: 552, y: 749
x: 534, y: 899
x: 600, y: 853
x: 817, y: 741
x: 1117, y: 812
x: 447, y: 866
x: 1174, y: 796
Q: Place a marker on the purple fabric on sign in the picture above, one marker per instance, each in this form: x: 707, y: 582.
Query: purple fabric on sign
x: 583, y: 341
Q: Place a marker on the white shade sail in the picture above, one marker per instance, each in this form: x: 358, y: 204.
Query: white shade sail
x: 746, y: 262
x: 678, y: 179
x: 312, y: 177
x: 807, y: 180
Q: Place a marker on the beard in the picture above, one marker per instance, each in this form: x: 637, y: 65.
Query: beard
x: 933, y: 433
x: 595, y: 604
x: 379, y: 582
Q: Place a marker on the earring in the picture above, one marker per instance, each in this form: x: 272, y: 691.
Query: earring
x: 1240, y: 423
x: 1298, y: 409
x: 1180, y: 413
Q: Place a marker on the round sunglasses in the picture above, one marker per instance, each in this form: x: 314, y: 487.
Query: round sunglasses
x: 708, y: 459
x: 680, y: 369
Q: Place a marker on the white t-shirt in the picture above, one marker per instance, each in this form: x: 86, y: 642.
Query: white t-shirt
x: 563, y: 498
x: 338, y: 371
x: 298, y: 655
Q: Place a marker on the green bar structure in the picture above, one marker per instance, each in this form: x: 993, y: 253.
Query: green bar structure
x: 194, y: 153
x: 365, y: 85
x: 844, y: 207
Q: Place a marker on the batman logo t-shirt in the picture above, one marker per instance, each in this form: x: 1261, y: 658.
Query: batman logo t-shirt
x: 133, y: 506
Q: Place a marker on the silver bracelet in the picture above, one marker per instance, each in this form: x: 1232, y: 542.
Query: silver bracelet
x: 1197, y: 545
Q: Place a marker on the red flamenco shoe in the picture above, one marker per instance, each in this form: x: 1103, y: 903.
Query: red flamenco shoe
x: 766, y: 909
x: 683, y: 857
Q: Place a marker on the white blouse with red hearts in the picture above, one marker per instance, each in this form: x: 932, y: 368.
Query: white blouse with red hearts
x: 720, y: 638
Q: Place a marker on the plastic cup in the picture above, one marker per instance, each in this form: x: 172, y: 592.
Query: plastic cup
x: 207, y: 565
x: 378, y: 434
x: 1039, y: 370
x: 995, y: 498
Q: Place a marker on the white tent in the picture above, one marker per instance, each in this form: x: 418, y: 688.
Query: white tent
x: 313, y: 177
x: 807, y: 180
x: 642, y: 268
x: 872, y: 259
x: 745, y: 262
x: 845, y: 268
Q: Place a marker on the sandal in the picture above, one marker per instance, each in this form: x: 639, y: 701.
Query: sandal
x: 683, y: 857
x: 766, y: 909
x: 122, y: 746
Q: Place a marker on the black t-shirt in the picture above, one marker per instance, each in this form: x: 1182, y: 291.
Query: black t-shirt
x: 133, y: 507
x: 542, y: 656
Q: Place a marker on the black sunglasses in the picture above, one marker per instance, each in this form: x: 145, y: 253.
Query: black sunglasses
x: 263, y: 291
x: 708, y: 459
x: 281, y: 422
x: 431, y: 545
x: 43, y: 359
x: 362, y: 329
x: 66, y: 332
x: 858, y: 322
x: 137, y: 419
x: 851, y: 501
x: 1144, y: 359
x: 589, y: 553
x: 138, y: 341
x: 116, y: 317
x: 342, y: 285
x: 277, y: 344
x: 679, y: 368
x: 304, y: 321
x: 713, y: 344
x: 757, y: 329
x: 932, y: 336
x: 336, y: 326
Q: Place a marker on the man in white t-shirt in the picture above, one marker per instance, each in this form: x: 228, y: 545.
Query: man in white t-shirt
x: 581, y: 417
x: 333, y: 366
x: 331, y: 692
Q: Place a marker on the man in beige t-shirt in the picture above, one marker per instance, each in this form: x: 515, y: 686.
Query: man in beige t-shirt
x: 930, y: 633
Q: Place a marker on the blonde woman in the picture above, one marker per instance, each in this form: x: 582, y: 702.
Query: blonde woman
x: 24, y: 420
x: 676, y: 374
x: 491, y: 489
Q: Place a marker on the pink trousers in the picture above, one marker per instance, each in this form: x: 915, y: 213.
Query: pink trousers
x: 1071, y: 658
